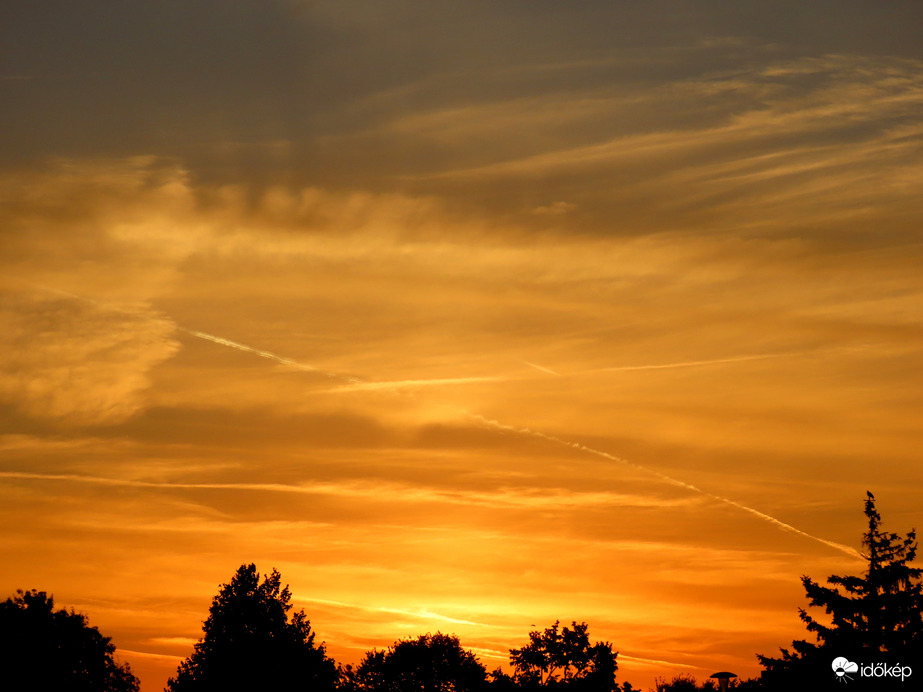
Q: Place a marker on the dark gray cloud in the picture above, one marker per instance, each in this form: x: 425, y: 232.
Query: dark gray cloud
x: 214, y: 82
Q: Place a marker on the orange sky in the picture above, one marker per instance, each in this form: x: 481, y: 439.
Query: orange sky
x: 464, y: 319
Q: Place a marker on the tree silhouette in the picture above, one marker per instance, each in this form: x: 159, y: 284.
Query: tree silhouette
x: 251, y: 644
x: 429, y: 663
x: 45, y: 649
x: 564, y: 656
x: 684, y: 682
x: 873, y: 617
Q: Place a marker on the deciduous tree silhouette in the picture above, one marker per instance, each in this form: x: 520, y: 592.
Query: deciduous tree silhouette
x: 429, y: 663
x: 565, y: 657
x: 251, y: 644
x: 683, y: 683
x: 46, y: 649
x: 873, y: 617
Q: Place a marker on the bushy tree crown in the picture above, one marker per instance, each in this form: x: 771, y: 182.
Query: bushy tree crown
x: 46, y: 649
x: 564, y: 656
x: 429, y: 663
x: 250, y: 643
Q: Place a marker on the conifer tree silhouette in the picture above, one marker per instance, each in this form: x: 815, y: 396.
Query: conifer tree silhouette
x: 872, y: 617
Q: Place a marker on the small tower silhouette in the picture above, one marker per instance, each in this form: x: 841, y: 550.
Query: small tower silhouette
x: 723, y: 678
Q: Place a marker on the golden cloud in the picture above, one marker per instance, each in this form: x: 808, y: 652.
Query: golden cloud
x: 75, y: 361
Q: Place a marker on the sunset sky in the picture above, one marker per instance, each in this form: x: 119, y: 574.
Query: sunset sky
x: 466, y: 316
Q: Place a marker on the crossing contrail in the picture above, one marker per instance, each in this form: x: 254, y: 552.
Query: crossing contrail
x: 497, y: 425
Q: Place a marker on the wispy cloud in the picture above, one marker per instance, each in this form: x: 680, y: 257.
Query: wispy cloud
x: 173, y: 659
x: 185, y: 641
x: 504, y: 498
x: 77, y: 362
x: 421, y: 614
x: 656, y: 663
x: 780, y: 107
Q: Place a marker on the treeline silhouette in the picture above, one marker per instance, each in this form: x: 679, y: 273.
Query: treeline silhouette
x: 253, y: 641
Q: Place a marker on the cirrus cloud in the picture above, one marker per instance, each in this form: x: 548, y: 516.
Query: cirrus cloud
x: 75, y: 361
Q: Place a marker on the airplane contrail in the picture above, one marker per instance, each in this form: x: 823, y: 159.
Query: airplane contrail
x: 269, y: 355
x: 541, y: 368
x: 132, y: 483
x: 508, y: 428
x: 355, y: 384
x: 728, y: 360
x: 664, y: 477
x: 373, y: 386
x: 697, y: 363
x: 304, y: 367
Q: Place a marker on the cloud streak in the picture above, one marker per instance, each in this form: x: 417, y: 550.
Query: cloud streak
x: 422, y: 614
x: 507, y: 498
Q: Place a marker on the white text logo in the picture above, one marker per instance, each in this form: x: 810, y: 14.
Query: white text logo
x: 843, y: 668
